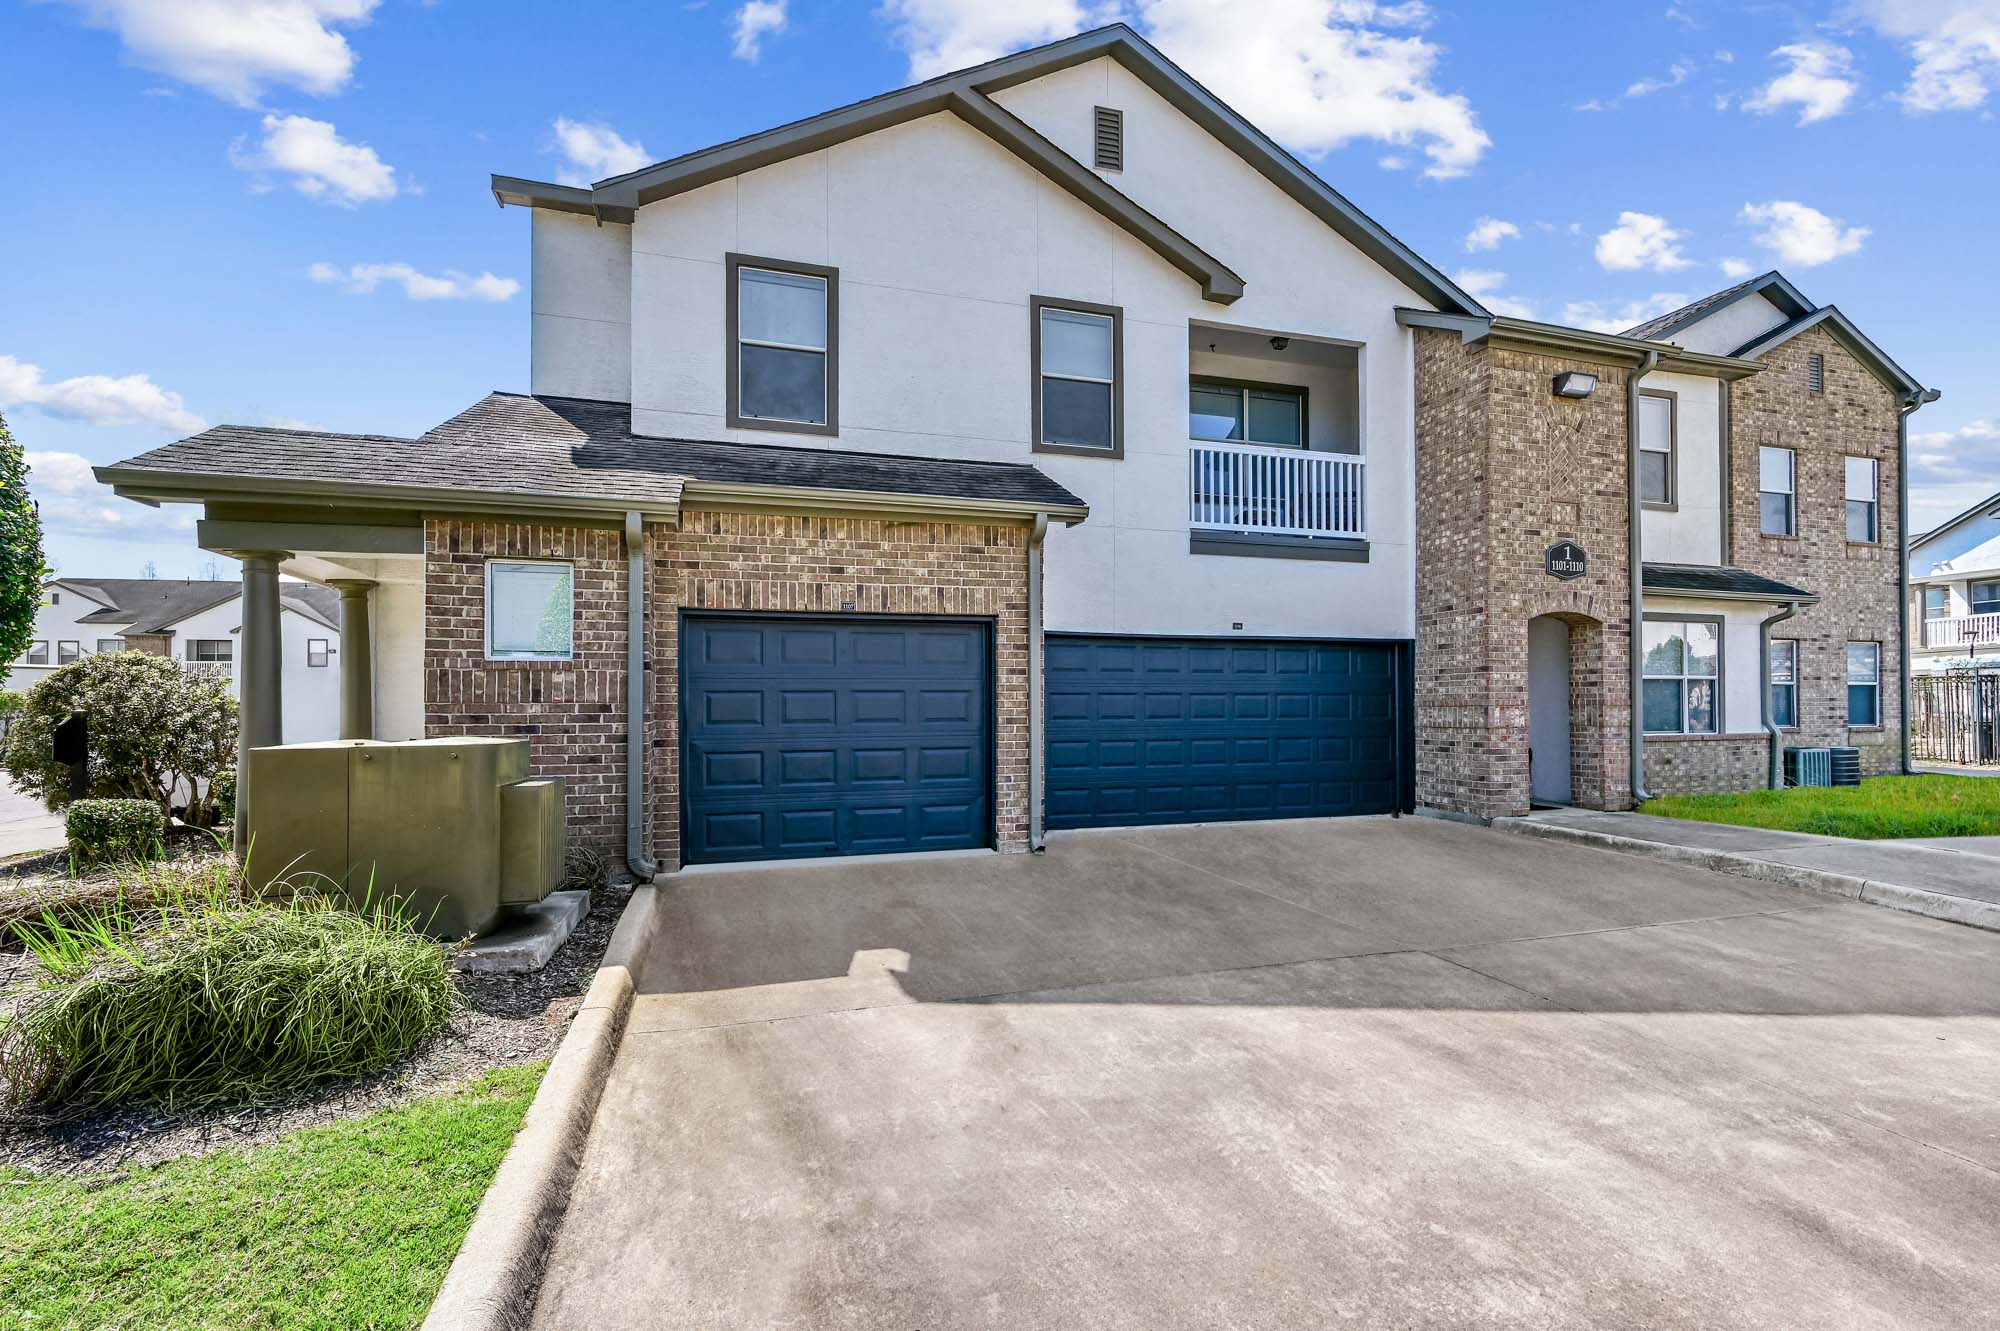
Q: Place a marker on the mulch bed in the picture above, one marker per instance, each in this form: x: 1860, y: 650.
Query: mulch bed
x: 508, y: 1020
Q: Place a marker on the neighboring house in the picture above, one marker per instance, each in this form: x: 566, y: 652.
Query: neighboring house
x: 1955, y: 592
x: 198, y: 623
x: 1042, y: 446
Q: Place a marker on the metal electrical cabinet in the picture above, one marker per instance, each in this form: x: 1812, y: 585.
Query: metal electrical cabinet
x: 452, y: 829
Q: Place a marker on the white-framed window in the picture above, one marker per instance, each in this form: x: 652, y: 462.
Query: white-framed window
x: 38, y: 652
x: 1937, y: 602
x: 317, y: 651
x: 106, y: 646
x: 68, y: 650
x: 784, y: 345
x: 1864, y: 683
x: 1077, y: 361
x: 1862, y: 514
x: 1267, y: 414
x: 1784, y: 682
x: 530, y: 610
x: 1984, y: 598
x: 1777, y: 491
x: 1656, y: 448
x: 210, y: 651
x: 1683, y: 672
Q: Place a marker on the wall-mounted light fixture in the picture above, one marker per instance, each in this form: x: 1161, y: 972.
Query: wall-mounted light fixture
x: 1280, y: 343
x: 1575, y: 383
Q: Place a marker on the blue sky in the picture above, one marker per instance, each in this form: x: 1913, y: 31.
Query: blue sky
x: 276, y: 211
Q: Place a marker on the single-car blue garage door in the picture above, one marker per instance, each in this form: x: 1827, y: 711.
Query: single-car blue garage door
x: 1174, y: 730
x: 844, y: 736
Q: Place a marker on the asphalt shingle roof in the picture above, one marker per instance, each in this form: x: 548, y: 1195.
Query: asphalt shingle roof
x: 152, y: 605
x: 1721, y: 580
x: 1653, y: 328
x: 572, y: 447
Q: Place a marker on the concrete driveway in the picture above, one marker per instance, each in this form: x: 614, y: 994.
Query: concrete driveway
x: 25, y: 826
x: 1370, y: 1073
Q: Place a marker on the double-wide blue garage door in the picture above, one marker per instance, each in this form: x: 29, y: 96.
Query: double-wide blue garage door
x: 1165, y: 730
x: 833, y: 737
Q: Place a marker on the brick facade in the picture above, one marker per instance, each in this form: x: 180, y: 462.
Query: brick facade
x: 1698, y: 764
x: 1856, y: 584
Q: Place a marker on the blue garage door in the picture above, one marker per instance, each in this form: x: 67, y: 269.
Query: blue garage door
x: 833, y: 737
x: 1169, y: 730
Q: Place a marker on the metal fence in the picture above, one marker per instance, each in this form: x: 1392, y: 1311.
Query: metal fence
x: 1955, y: 718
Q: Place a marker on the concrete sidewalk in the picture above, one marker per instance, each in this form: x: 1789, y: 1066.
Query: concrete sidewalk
x: 26, y: 827
x: 1950, y: 878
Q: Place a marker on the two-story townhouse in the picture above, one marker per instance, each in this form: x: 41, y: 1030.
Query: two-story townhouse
x: 1041, y: 446
x: 198, y: 622
x: 1954, y: 608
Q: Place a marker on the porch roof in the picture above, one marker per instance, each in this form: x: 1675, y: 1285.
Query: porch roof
x: 1720, y: 582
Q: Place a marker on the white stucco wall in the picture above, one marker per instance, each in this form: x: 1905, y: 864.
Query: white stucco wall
x: 398, y: 624
x: 1692, y: 533
x: 580, y: 339
x: 1723, y: 332
x: 311, y: 694
x: 55, y: 622
x: 941, y: 238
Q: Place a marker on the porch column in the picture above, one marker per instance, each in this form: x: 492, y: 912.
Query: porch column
x: 357, y: 664
x: 260, y: 674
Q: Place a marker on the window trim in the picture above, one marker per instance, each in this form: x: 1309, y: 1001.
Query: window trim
x: 1791, y: 495
x: 324, y: 647
x: 1972, y: 601
x: 37, y: 647
x: 1672, y: 503
x: 1924, y: 602
x: 117, y: 645
x: 1874, y: 505
x: 75, y: 646
x: 732, y: 359
x: 1721, y: 674
x: 1246, y: 387
x: 187, y: 652
x: 486, y: 613
x: 1849, y: 685
x: 1116, y: 313
x: 1772, y: 685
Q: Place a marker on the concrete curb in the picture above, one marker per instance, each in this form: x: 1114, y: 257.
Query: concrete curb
x: 492, y: 1281
x: 1892, y: 896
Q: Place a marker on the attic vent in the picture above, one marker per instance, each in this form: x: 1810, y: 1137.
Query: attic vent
x: 1110, y: 139
x: 1815, y: 374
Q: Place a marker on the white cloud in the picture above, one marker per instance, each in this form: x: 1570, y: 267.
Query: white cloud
x: 1488, y: 232
x: 755, y: 21
x: 363, y: 278
x: 1641, y: 240
x: 95, y: 399
x: 1969, y: 455
x: 1314, y: 74
x: 1483, y: 285
x: 1800, y: 236
x: 1677, y: 74
x: 322, y: 165
x: 1599, y: 318
x: 1820, y: 82
x: 1955, y: 46
x: 236, y: 48
x: 595, y: 151
x: 1738, y: 269
x: 72, y: 503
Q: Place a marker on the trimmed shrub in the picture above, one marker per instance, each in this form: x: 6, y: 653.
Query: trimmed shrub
x: 218, y: 1002
x: 153, y: 727
x: 113, y: 831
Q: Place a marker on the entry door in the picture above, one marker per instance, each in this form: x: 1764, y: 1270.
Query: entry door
x: 811, y: 737
x: 1548, y: 711
x: 1177, y: 730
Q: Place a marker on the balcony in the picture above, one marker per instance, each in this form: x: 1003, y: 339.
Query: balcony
x: 1275, y: 492
x: 1965, y: 632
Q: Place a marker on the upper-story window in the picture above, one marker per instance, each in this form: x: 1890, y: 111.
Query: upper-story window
x: 210, y: 651
x: 317, y: 651
x: 1862, y: 517
x: 1078, y: 370
x: 106, y: 646
x: 1683, y: 669
x: 1227, y: 411
x: 784, y: 345
x: 38, y: 653
x: 1937, y: 602
x: 1656, y: 447
x: 67, y: 651
x: 1984, y: 598
x: 1777, y: 491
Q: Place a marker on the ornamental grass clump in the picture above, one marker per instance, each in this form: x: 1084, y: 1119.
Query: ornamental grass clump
x: 205, y: 1000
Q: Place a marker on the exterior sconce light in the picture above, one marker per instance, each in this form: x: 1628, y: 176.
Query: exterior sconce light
x: 1575, y: 383
x: 1280, y: 343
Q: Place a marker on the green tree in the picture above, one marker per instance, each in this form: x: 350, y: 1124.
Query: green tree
x: 21, y: 565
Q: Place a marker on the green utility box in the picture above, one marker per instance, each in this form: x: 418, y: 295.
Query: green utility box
x: 451, y: 828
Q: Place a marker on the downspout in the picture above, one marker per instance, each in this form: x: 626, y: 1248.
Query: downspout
x: 1635, y: 557
x: 1764, y: 664
x: 636, y: 858
x: 1908, y: 405
x: 1037, y: 723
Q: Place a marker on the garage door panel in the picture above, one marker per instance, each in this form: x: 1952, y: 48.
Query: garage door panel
x: 1174, y: 731
x: 825, y: 737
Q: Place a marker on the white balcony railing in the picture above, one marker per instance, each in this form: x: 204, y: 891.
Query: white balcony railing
x: 1965, y: 631
x: 1275, y: 491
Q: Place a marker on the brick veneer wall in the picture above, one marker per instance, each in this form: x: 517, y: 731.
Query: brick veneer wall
x: 1856, y: 415
x: 1504, y: 470
x: 1698, y: 764
x: 572, y: 713
x: 833, y: 566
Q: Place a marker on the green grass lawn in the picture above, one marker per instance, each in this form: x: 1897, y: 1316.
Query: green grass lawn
x: 1881, y: 808
x: 348, y: 1226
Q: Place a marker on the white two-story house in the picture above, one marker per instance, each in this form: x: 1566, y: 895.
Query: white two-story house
x: 1955, y: 592
x: 1043, y: 447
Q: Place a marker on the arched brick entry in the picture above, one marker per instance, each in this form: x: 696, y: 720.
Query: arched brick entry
x: 1597, y: 708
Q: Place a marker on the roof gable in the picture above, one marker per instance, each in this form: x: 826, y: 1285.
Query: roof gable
x: 1853, y: 340
x: 1772, y: 286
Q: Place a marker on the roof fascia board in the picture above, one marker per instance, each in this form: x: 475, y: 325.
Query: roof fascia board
x: 1843, y: 331
x: 1764, y: 598
x: 708, y: 494
x: 323, y: 537
x: 1610, y: 348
